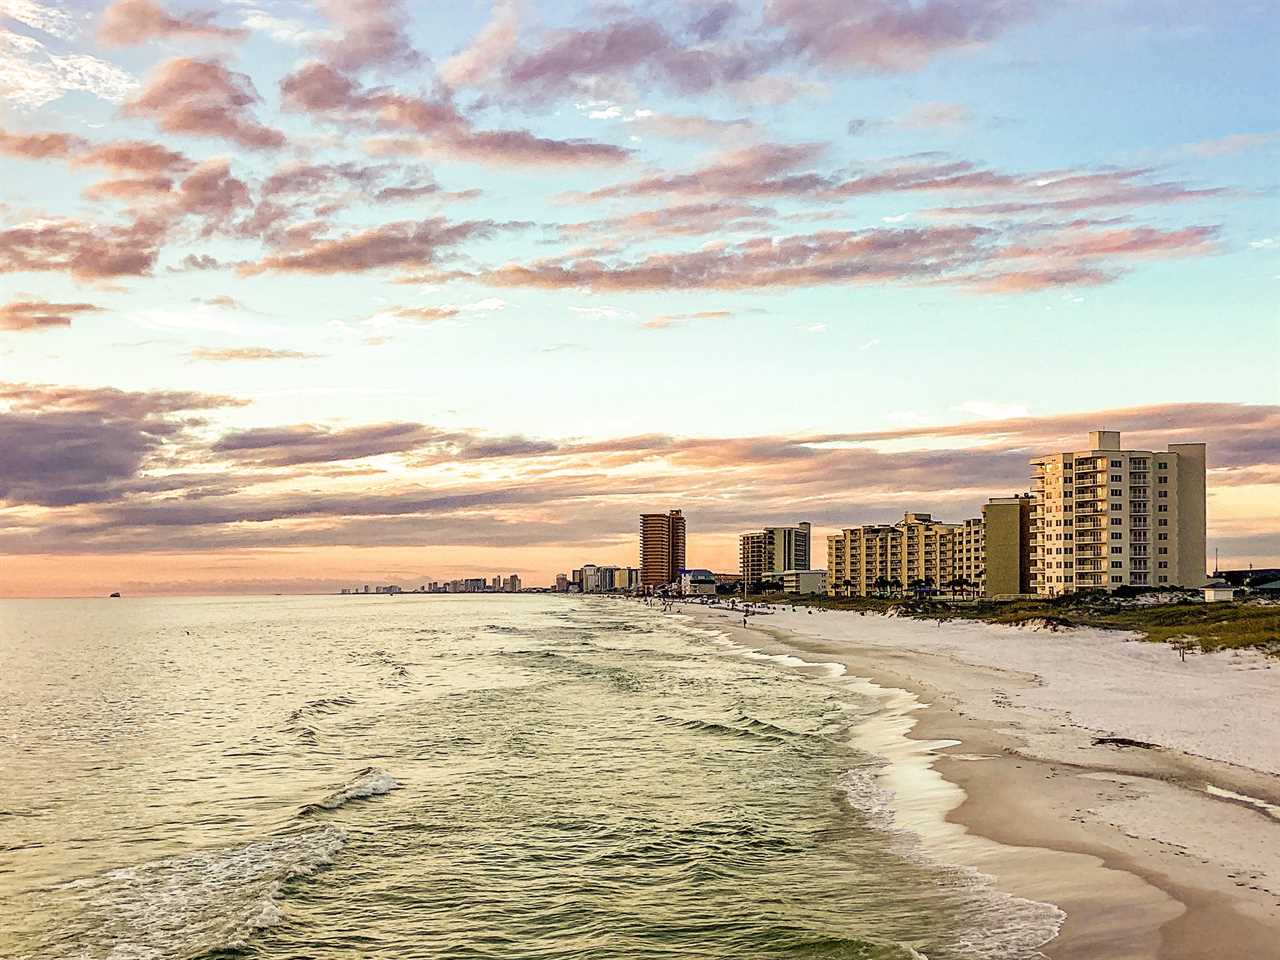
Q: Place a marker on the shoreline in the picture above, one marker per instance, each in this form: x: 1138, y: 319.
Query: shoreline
x: 1128, y: 841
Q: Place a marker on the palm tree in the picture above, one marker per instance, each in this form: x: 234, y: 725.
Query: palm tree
x: 881, y: 584
x: 895, y: 585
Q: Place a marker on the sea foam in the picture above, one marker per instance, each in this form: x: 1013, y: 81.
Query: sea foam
x: 208, y: 901
x: 369, y: 782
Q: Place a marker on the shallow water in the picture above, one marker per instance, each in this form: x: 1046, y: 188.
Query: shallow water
x: 525, y: 777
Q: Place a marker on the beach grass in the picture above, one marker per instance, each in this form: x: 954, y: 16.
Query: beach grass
x: 1208, y: 626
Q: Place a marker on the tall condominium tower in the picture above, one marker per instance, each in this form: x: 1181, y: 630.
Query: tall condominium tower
x: 767, y: 554
x: 1107, y: 517
x: 661, y: 548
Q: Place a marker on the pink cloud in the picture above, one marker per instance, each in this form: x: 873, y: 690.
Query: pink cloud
x: 371, y: 33
x: 127, y: 22
x: 786, y: 170
x: 203, y: 98
x: 426, y: 314
x: 133, y: 156
x: 889, y: 35
x: 435, y: 125
x: 130, y: 189
x: 694, y: 127
x: 936, y: 116
x: 973, y: 257
x: 631, y: 48
x: 766, y: 169
x: 246, y: 354
x: 685, y: 219
x: 41, y: 146
x: 1233, y: 143
x: 212, y: 192
x: 832, y: 257
x: 668, y: 320
x: 85, y: 250
x: 405, y: 243
x: 492, y: 46
x: 29, y: 315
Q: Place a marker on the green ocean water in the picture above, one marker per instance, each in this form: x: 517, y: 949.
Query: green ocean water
x: 448, y: 777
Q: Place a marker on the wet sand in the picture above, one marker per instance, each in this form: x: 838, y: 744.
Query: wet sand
x: 1128, y: 840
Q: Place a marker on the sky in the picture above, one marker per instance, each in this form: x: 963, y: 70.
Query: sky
x: 300, y: 294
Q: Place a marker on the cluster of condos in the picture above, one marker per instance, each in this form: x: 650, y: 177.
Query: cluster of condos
x: 1098, y: 518
x: 497, y: 584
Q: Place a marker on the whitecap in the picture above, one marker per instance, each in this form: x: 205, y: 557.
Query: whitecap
x: 369, y: 782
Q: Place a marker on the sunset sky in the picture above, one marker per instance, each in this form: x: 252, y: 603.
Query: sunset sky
x: 300, y: 294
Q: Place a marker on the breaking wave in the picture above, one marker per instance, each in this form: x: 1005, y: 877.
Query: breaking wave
x: 369, y: 782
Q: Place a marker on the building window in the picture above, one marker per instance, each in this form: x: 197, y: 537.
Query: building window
x: 1163, y: 579
x: 1163, y: 564
x: 1163, y: 550
x: 1116, y: 564
x: 1163, y: 522
x: 1117, y: 463
x: 1116, y: 535
x: 1117, y: 579
x: 1117, y: 521
x: 1115, y: 492
x: 1162, y: 508
x: 1162, y: 479
x: 1117, y: 478
x: 1162, y: 465
x: 1162, y: 536
x: 1117, y: 549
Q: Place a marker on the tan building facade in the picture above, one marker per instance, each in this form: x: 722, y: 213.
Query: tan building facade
x: 768, y: 553
x: 662, y: 545
x: 1105, y: 517
x: 882, y: 558
x: 983, y: 556
x: 1006, y: 547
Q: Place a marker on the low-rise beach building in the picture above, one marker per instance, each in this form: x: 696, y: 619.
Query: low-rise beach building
x: 804, y: 582
x: 697, y: 583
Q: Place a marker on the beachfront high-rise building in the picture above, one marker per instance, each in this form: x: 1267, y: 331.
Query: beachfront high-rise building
x: 768, y: 553
x: 915, y: 553
x: 662, y: 541
x: 1107, y: 517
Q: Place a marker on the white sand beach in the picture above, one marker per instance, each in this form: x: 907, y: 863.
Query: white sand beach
x: 1137, y: 791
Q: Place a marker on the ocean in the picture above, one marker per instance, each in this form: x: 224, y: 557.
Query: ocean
x: 527, y: 776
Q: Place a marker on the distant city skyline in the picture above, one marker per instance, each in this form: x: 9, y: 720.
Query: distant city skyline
x: 298, y: 296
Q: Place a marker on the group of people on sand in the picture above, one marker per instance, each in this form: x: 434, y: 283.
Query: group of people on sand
x: 668, y: 605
